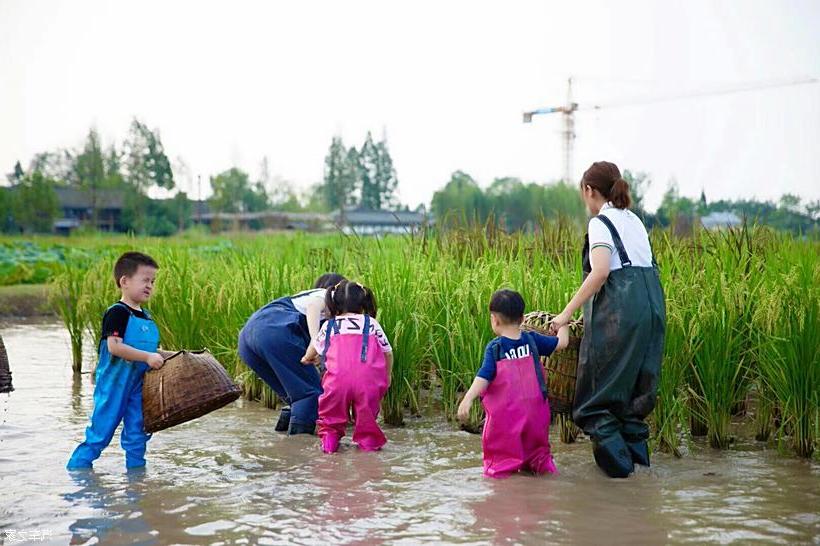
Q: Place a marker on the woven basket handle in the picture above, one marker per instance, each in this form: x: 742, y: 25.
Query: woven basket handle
x: 183, y: 351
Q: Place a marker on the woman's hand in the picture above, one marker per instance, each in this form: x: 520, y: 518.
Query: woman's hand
x: 559, y: 322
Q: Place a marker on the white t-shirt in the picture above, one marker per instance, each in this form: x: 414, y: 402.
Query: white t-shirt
x: 632, y: 232
x: 303, y: 300
x: 352, y: 323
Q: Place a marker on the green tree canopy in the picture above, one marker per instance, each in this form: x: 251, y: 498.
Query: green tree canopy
x: 35, y: 204
x: 233, y: 192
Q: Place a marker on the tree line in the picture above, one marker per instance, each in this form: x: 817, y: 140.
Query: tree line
x: 514, y: 205
x: 360, y: 178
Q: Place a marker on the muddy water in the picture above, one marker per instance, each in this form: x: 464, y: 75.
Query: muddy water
x: 228, y: 478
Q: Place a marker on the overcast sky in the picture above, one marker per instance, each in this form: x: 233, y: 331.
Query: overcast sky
x: 229, y: 82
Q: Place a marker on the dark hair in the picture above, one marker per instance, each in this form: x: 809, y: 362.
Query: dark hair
x: 606, y: 178
x: 328, y: 280
x: 128, y: 263
x: 509, y: 304
x: 350, y: 297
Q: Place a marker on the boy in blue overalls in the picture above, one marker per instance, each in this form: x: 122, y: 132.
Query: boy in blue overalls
x: 128, y: 348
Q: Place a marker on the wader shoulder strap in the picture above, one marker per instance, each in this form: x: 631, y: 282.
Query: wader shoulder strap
x: 305, y: 293
x: 539, y: 371
x: 331, y: 325
x: 126, y: 307
x: 365, y: 336
x: 616, y: 238
x: 496, y: 351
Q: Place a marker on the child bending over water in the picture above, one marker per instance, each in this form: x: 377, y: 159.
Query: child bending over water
x: 358, y: 359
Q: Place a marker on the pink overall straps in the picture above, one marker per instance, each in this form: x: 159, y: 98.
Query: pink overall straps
x: 516, y: 432
x: 356, y: 378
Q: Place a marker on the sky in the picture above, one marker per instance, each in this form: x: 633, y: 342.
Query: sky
x: 228, y: 83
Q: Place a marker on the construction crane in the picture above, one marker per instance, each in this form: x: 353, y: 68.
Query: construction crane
x: 570, y: 107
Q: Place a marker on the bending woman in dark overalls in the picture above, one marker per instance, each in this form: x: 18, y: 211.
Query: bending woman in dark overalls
x: 624, y: 326
x: 272, y: 344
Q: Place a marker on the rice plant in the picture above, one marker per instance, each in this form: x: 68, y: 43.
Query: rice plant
x: 788, y: 354
x: 741, y: 306
x: 719, y: 362
x: 66, y: 296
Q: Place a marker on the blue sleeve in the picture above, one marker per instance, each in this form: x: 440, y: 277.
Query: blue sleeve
x: 487, y: 370
x: 545, y: 344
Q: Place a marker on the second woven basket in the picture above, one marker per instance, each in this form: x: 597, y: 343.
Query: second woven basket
x: 561, y: 367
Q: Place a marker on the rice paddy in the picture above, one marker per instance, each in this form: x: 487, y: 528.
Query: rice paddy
x: 743, y: 338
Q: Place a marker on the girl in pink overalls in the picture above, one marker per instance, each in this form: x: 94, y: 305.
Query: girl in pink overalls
x: 513, y: 392
x: 358, y: 358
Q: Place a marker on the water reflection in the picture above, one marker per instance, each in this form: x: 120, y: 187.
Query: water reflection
x: 116, y: 506
x: 509, y: 512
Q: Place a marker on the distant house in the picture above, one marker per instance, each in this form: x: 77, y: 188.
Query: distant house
x: 378, y: 222
x: 305, y: 221
x: 720, y: 220
x: 76, y: 209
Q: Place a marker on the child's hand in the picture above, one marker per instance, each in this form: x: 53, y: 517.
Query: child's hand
x: 464, y: 410
x: 308, y: 359
x: 155, y: 360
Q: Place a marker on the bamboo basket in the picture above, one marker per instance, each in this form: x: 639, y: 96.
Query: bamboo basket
x: 561, y: 367
x: 5, y: 371
x: 189, y: 385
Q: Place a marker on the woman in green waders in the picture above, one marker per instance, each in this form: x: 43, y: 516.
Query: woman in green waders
x: 624, y: 323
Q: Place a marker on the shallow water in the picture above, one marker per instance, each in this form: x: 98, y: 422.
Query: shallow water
x: 229, y: 479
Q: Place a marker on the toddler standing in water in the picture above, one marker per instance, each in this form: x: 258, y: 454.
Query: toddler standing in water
x: 513, y: 392
x: 358, y: 359
x: 128, y: 348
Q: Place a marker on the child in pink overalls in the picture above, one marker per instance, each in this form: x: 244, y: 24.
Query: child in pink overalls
x: 513, y: 392
x: 358, y: 359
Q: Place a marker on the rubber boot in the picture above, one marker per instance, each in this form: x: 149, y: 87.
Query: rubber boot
x: 300, y: 428
x: 635, y: 433
x: 639, y: 451
x: 612, y: 455
x: 283, y: 424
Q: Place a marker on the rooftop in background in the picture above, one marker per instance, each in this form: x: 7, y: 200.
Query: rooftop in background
x: 377, y: 222
x: 723, y: 219
x: 73, y: 198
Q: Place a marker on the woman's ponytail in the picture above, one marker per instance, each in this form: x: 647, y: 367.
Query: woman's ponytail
x: 619, y: 194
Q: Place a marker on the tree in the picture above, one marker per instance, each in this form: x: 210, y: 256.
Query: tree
x: 368, y: 165
x: 58, y: 166
x: 89, y: 170
x: 35, y: 203
x: 461, y: 200
x: 233, y: 192
x: 675, y: 207
x: 341, y: 177
x: 16, y: 175
x: 146, y: 162
x: 562, y: 199
x: 377, y: 175
x: 639, y: 183
x: 281, y: 195
x: 386, y: 179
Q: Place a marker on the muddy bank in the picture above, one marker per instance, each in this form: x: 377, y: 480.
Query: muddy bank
x: 25, y: 300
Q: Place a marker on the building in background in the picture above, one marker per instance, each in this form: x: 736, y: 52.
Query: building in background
x: 379, y: 222
x: 720, y: 220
